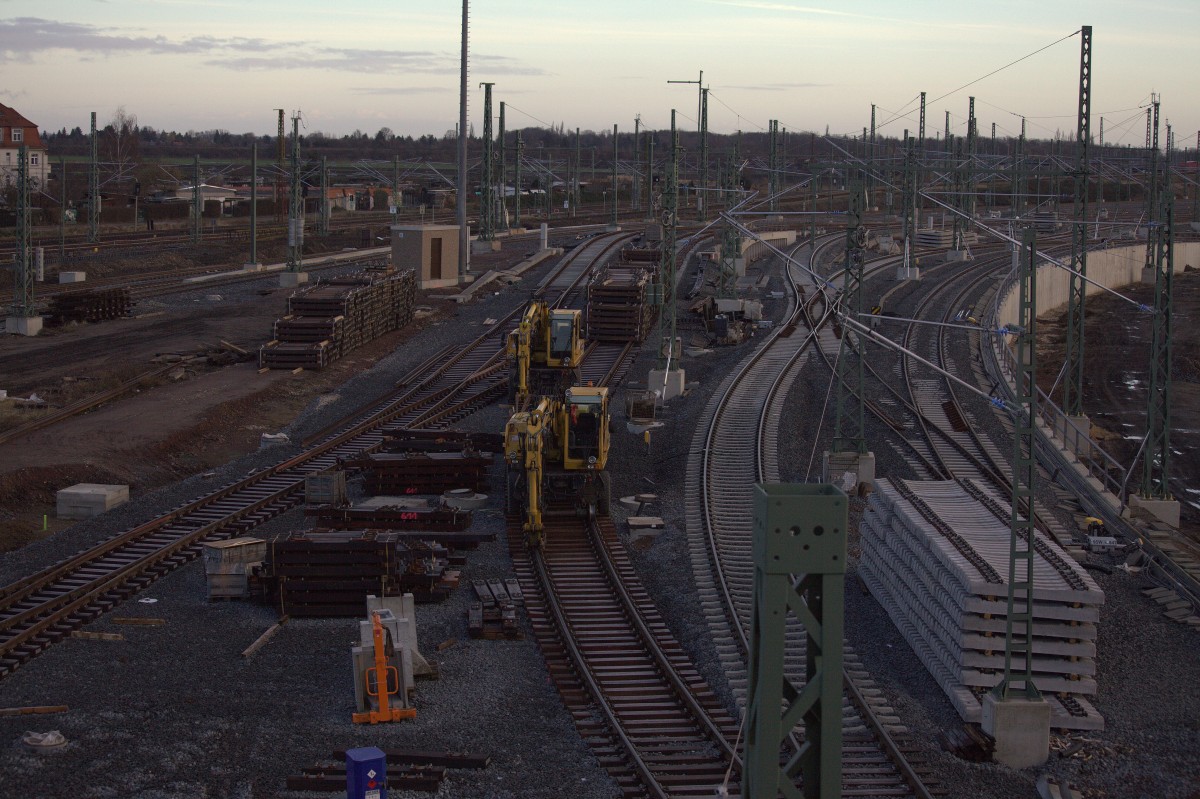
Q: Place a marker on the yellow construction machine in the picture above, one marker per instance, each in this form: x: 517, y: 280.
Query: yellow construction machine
x: 546, y: 349
x: 556, y: 453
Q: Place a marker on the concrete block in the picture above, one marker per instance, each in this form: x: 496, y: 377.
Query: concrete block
x: 482, y: 247
x: 958, y: 256
x: 848, y: 470
x: 23, y: 325
x: 85, y: 500
x: 72, y: 277
x: 290, y: 280
x: 908, y: 273
x: 1165, y: 510
x: 668, y: 382
x: 1021, y: 728
x: 255, y: 267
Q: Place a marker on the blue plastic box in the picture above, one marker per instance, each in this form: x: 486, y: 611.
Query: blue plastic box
x: 366, y: 773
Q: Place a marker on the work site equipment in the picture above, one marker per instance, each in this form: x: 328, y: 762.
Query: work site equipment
x: 556, y: 454
x: 383, y: 681
x: 546, y: 349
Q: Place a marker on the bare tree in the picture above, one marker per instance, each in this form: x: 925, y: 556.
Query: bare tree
x: 119, y: 143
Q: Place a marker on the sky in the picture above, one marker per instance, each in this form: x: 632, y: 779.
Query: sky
x: 368, y: 64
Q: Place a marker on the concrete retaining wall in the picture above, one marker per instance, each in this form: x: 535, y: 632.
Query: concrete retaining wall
x: 1112, y: 268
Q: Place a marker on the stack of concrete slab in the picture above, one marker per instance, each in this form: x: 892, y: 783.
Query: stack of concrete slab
x: 85, y: 500
x: 935, y: 556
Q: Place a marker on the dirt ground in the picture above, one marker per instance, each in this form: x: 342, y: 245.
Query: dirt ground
x: 197, y: 417
x: 1117, y: 356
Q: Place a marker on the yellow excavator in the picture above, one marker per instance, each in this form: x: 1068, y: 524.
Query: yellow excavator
x: 545, y: 349
x: 556, y: 453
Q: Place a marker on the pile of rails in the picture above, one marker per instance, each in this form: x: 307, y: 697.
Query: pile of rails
x: 407, y: 770
x: 321, y: 573
x: 934, y: 554
x: 328, y: 319
x: 404, y: 473
x: 90, y: 305
x: 619, y: 306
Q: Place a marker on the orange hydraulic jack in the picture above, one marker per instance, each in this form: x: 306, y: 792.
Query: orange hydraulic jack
x: 387, y: 683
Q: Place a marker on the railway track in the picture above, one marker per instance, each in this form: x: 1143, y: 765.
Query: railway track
x: 41, y: 609
x: 637, y: 700
x: 734, y: 447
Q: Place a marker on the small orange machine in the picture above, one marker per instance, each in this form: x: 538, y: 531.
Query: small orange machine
x: 383, y: 682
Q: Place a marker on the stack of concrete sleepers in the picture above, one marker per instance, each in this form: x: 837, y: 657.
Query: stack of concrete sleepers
x: 330, y: 318
x: 935, y: 555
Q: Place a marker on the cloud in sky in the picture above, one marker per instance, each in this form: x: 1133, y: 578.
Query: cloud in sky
x: 398, y: 90
x: 30, y: 35
x: 779, y: 87
x: 23, y: 37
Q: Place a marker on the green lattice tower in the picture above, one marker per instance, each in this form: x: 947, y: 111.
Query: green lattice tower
x: 850, y: 427
x: 487, y: 182
x: 197, y: 200
x: 799, y: 570
x: 1072, y: 401
x: 670, y: 221
x: 730, y: 239
x: 23, y: 279
x: 635, y: 184
x: 1018, y: 624
x: 1156, y: 456
x: 960, y: 195
x: 577, y: 172
x: 295, y: 255
x: 93, y: 234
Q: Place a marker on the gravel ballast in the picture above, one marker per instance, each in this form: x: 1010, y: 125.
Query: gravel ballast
x: 174, y: 711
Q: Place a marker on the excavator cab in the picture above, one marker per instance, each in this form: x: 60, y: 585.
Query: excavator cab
x: 545, y: 349
x: 556, y: 454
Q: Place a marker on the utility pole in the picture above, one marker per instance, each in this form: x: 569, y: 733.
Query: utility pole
x: 576, y: 193
x: 62, y: 215
x: 517, y: 180
x: 649, y: 176
x: 1024, y: 730
x: 23, y: 280
x: 1017, y: 201
x: 323, y: 225
x: 909, y: 210
x: 772, y: 164
x: 614, y: 225
x: 94, y: 188
x: 487, y: 197
x: 801, y: 572
x: 295, y: 256
x: 850, y: 427
x: 253, y: 207
x: 280, y: 152
x: 871, y: 163
x: 670, y: 219
x: 699, y: 96
x: 394, y: 204
x: 702, y: 194
x: 1074, y: 367
x: 464, y: 236
x: 636, y: 185
x: 502, y: 200
x: 197, y: 200
x: 1156, y: 458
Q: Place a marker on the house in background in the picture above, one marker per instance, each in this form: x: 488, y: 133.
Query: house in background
x: 16, y: 130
